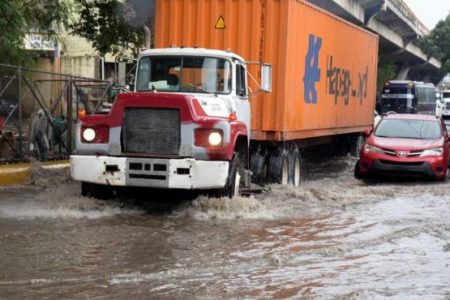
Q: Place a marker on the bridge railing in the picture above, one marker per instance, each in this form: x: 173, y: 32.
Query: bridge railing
x: 411, y: 16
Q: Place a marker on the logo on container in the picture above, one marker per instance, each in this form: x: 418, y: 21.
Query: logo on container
x: 312, y: 70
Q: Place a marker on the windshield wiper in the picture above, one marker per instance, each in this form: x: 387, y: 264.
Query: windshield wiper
x: 202, y: 89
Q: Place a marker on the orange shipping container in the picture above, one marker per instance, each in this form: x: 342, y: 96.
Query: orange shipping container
x: 324, y: 68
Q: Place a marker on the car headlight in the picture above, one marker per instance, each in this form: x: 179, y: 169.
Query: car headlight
x: 89, y: 134
x: 433, y: 152
x: 215, y: 138
x: 373, y: 149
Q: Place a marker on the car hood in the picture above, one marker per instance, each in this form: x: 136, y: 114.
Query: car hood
x: 404, y: 144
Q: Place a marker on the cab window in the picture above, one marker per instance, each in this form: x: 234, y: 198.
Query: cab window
x: 241, y: 89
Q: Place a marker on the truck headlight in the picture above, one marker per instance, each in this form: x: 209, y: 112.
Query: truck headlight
x: 433, y: 152
x: 89, y: 134
x: 215, y: 138
x: 208, y: 137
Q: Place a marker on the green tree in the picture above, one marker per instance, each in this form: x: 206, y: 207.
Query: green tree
x: 437, y: 43
x: 19, y: 17
x: 109, y: 26
x: 387, y: 69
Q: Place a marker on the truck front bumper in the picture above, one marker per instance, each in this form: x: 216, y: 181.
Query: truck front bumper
x: 184, y: 173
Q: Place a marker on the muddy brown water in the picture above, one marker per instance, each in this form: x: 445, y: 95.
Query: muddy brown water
x: 334, y: 237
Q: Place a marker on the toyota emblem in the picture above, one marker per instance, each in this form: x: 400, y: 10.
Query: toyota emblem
x: 401, y: 154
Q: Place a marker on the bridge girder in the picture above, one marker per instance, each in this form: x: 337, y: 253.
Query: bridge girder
x: 393, y: 21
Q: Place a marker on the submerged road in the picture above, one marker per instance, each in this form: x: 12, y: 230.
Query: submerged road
x: 335, y: 237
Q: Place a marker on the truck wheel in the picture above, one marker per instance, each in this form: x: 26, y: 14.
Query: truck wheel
x: 259, y: 167
x: 96, y: 190
x: 358, y: 144
x: 279, y: 168
x: 233, y: 185
x: 295, y: 168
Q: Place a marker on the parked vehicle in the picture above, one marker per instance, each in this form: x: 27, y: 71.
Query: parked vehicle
x: 404, y: 96
x: 445, y: 104
x: 408, y: 145
x: 197, y: 119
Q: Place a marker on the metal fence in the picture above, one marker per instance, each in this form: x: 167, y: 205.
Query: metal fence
x: 39, y: 110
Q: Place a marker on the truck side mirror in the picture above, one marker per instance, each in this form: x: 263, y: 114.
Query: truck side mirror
x: 266, y: 78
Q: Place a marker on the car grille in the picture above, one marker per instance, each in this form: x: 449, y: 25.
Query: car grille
x: 409, y: 154
x: 151, y: 130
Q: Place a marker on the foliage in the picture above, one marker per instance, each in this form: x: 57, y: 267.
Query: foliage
x: 106, y: 24
x: 437, y: 43
x: 19, y: 17
x: 387, y: 69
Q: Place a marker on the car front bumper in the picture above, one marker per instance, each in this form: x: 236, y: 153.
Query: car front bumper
x: 376, y: 164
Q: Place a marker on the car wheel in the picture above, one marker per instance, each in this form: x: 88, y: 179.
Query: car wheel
x: 444, y: 178
x: 357, y: 172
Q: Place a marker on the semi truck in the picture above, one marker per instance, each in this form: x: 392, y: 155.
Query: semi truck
x: 232, y: 92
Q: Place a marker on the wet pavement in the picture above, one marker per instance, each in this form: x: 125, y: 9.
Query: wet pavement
x: 334, y: 237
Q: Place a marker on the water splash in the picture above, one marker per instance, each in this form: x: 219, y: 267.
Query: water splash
x: 63, y: 201
x: 204, y: 208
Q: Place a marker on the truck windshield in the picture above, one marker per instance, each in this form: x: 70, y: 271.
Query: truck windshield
x: 184, y: 74
x: 409, y: 129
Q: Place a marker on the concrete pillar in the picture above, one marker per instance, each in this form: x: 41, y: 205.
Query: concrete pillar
x: 403, y: 72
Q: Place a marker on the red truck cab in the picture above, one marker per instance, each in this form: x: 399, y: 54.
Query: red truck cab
x: 186, y: 126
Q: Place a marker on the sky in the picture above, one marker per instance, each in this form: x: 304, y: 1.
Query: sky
x: 430, y: 12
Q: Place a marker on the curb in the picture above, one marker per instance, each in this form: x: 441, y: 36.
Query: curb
x: 18, y: 173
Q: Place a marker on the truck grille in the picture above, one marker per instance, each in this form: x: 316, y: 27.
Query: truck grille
x: 151, y: 130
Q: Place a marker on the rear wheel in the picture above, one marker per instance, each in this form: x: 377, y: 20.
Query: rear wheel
x: 259, y: 167
x: 358, y: 144
x: 279, y: 168
x: 295, y: 168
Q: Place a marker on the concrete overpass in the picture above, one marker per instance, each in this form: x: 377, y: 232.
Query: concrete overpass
x: 398, y: 28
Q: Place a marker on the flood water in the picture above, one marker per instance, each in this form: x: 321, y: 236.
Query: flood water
x: 334, y: 237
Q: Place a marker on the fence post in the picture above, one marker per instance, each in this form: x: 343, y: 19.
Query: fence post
x: 69, y: 116
x: 19, y: 75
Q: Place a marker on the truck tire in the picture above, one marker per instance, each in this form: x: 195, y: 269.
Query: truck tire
x: 357, y: 145
x: 279, y: 168
x: 295, y: 170
x: 259, y: 167
x: 233, y: 184
x: 98, y: 191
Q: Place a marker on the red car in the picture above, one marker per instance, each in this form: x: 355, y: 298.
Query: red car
x: 407, y: 145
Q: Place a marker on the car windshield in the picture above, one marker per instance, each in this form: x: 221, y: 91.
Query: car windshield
x: 184, y: 74
x: 409, y: 129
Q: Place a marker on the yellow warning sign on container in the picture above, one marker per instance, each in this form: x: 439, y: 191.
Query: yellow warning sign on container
x: 220, y: 24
